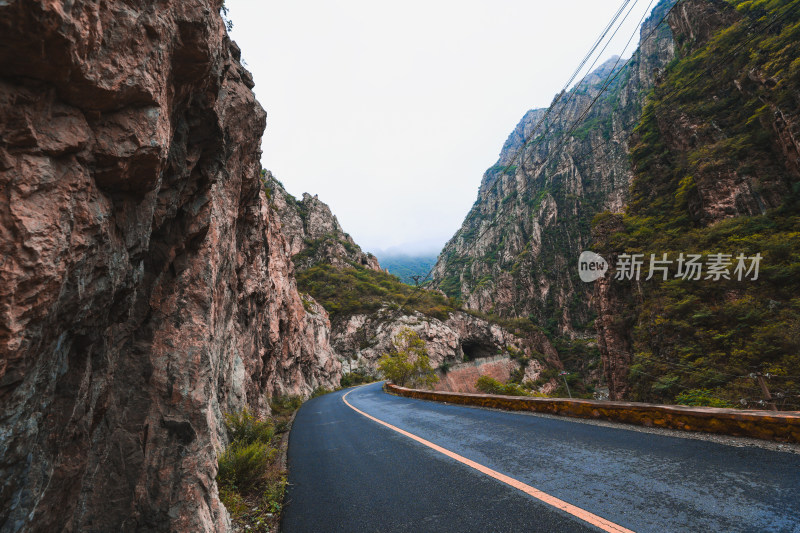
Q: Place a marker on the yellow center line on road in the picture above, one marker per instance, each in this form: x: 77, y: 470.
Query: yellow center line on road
x: 586, y: 516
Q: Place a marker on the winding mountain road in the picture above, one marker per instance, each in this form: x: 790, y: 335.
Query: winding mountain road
x: 361, y: 460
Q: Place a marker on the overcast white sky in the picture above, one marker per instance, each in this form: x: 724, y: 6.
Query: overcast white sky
x: 392, y: 111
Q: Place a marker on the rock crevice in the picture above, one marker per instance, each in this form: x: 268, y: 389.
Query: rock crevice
x: 144, y: 286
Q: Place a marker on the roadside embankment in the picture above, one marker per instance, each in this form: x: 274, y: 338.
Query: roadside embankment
x: 783, y: 426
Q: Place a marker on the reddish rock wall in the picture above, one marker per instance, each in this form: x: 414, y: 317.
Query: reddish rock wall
x: 462, y: 377
x: 144, y: 289
x: 614, y: 303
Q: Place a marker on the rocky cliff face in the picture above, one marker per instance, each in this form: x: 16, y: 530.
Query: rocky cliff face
x: 516, y: 252
x: 313, y: 231
x: 720, y: 188
x: 716, y: 171
x: 145, y: 288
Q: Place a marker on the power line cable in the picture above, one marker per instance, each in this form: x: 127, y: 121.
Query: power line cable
x: 778, y: 18
x: 607, y: 82
x: 552, y: 106
x: 722, y: 62
x: 604, y: 86
x: 572, y: 93
x: 609, y: 79
x: 689, y: 369
x: 682, y: 387
x: 612, y: 76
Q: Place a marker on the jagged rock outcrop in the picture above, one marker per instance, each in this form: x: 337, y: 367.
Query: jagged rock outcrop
x: 516, y: 252
x: 362, y: 339
x: 145, y: 288
x: 313, y: 231
x: 694, y: 23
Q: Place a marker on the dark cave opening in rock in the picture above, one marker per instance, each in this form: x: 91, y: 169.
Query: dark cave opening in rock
x: 476, y: 349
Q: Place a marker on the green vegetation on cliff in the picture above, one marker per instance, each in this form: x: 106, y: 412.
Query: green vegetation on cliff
x: 343, y: 291
x: 516, y: 252
x: 313, y: 248
x: 720, y: 118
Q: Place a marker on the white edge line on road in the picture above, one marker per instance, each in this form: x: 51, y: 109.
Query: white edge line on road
x: 586, y: 516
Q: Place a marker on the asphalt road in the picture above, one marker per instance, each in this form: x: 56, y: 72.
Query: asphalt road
x: 349, y: 473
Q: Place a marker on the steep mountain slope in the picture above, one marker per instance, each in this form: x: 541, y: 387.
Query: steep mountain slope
x: 516, y: 252
x: 717, y: 171
x: 368, y: 307
x: 145, y: 288
x: 711, y: 169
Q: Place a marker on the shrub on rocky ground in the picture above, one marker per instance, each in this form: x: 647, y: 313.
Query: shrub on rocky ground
x: 489, y: 385
x: 250, y: 479
x: 351, y: 379
x: 282, y: 405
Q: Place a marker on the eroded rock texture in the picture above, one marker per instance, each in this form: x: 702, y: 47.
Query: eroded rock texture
x: 144, y: 289
x: 361, y: 339
x: 614, y: 303
x: 463, y: 377
x: 309, y: 226
x: 517, y: 250
x: 716, y: 151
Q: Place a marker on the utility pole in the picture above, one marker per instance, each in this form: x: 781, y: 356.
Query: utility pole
x: 564, y: 376
x: 764, y: 390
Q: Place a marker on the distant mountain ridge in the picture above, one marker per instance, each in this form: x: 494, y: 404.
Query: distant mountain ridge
x: 407, y: 266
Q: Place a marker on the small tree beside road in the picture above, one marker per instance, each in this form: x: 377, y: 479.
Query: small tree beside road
x: 408, y: 365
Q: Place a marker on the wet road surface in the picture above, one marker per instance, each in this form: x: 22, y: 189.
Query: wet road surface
x: 349, y: 473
